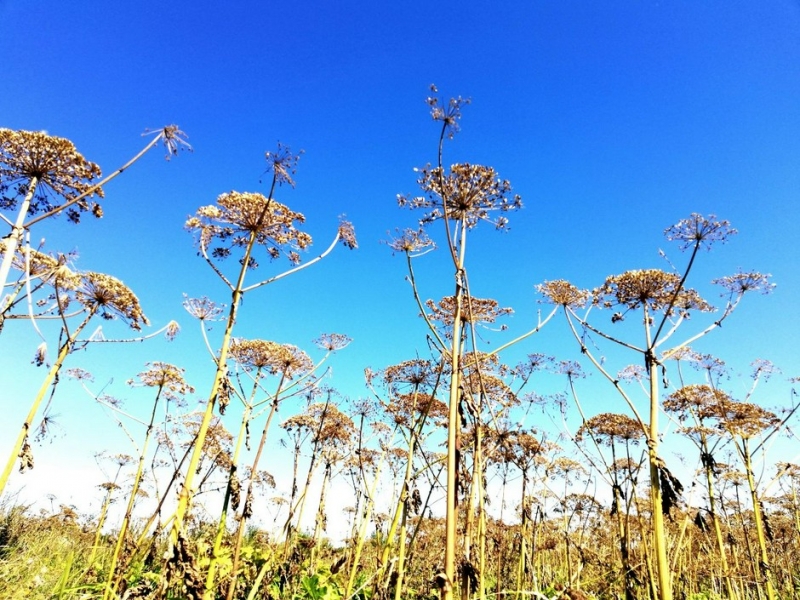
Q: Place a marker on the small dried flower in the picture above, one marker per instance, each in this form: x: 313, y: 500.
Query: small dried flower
x: 202, y: 308
x: 448, y: 114
x: 173, y: 329
x: 698, y: 230
x: 41, y: 355
x: 174, y: 139
x: 282, y: 164
x: 332, y: 341
x: 632, y: 373
x: 411, y: 240
x: 563, y: 293
x: 347, y: 234
x: 739, y: 283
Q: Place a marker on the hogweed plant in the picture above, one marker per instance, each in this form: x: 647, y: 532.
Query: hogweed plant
x: 80, y: 297
x: 169, y: 383
x: 460, y: 198
x: 664, y: 304
x: 239, y: 224
x: 42, y: 176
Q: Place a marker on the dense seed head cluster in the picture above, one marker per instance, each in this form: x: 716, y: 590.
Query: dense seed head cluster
x: 563, y: 293
x: 60, y: 171
x: 111, y: 298
x: 277, y: 359
x: 608, y: 428
x: 702, y: 400
x: 471, y: 193
x: 473, y: 310
x: 652, y: 289
x: 239, y: 216
x: 167, y: 377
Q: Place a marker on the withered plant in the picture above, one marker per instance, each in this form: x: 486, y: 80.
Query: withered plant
x: 239, y: 224
x: 664, y: 303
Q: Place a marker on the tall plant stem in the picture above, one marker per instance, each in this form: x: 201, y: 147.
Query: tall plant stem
x: 762, y: 567
x: 186, y: 492
x: 453, y: 425
x: 657, y: 514
x: 208, y: 594
x: 12, y: 241
x: 111, y: 581
x: 37, y: 401
x: 237, y: 547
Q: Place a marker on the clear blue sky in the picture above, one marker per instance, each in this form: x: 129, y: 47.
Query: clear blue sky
x: 612, y: 120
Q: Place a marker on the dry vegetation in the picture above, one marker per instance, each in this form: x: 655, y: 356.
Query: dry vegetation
x: 593, y: 514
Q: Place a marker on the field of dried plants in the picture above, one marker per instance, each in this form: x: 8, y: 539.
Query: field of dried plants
x: 457, y: 491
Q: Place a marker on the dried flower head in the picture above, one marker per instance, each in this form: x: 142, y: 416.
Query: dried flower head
x: 276, y: 359
x: 202, y: 308
x: 405, y: 409
x: 282, y: 164
x: 470, y: 192
x: 632, y: 373
x: 608, y: 428
x: 165, y: 376
x: 56, y: 166
x: 416, y: 373
x: 448, y: 113
x: 698, y: 230
x: 700, y: 400
x: 563, y: 293
x: 174, y: 139
x: 347, y: 233
x: 740, y: 283
x: 239, y: 216
x: 473, y: 310
x: 410, y: 241
x: 652, y: 289
x: 172, y: 331
x: 111, y: 298
x: 746, y: 419
x: 332, y: 341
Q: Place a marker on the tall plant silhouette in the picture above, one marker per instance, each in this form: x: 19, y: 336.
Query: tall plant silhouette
x: 42, y: 176
x: 664, y: 303
x: 239, y: 224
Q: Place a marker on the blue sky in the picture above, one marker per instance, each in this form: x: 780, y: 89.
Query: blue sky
x: 611, y: 120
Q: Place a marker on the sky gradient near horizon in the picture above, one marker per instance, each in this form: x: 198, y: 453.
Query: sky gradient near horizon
x: 611, y: 120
